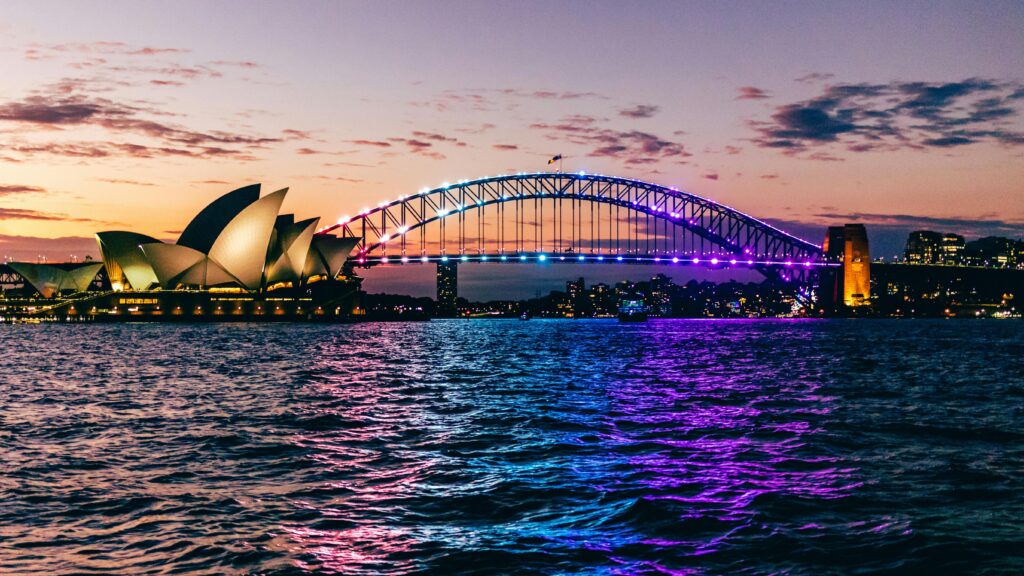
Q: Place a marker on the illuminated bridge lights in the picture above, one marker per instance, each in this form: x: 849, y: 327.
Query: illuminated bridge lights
x: 666, y: 203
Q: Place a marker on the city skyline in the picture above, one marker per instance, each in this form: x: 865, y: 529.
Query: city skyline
x: 920, y: 129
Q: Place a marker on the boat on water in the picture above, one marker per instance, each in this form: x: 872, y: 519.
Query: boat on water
x: 524, y: 316
x: 632, y: 308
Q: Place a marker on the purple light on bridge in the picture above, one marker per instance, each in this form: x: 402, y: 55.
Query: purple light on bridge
x: 675, y: 260
x: 619, y: 258
x: 696, y: 260
x: 383, y: 259
x: 424, y: 259
x: 714, y: 261
x: 405, y: 259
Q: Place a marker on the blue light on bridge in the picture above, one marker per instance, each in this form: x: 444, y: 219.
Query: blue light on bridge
x: 504, y: 258
x: 465, y: 258
x: 542, y: 257
x: 444, y: 258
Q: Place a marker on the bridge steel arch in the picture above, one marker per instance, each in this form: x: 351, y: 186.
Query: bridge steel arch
x: 387, y: 230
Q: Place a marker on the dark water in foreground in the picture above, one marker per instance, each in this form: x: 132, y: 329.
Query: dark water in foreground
x: 682, y: 447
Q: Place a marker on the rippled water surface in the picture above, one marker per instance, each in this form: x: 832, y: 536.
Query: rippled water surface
x: 682, y: 447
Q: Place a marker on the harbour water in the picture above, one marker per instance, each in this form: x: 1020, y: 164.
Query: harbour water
x: 500, y: 446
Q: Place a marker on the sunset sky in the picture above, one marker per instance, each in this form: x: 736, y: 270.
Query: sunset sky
x: 134, y: 115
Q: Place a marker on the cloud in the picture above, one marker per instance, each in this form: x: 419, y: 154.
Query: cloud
x: 489, y: 100
x: 42, y: 51
x: 26, y: 214
x: 506, y: 147
x: 640, y: 111
x: 28, y: 248
x: 376, y: 143
x: 894, y: 116
x: 815, y: 77
x: 421, y: 147
x: 12, y: 189
x: 751, y: 93
x: 126, y: 182
x: 237, y: 63
x: 969, y: 226
x: 62, y: 111
x: 769, y: 176
x: 293, y: 134
x: 435, y: 137
x: 711, y: 176
x: 633, y: 147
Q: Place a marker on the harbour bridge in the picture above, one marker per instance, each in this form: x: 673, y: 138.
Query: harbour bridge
x: 573, y: 217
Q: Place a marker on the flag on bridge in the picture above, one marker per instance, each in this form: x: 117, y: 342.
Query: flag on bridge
x: 557, y: 158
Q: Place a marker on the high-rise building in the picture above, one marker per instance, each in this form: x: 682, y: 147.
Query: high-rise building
x: 660, y: 300
x: 575, y: 291
x: 992, y: 251
x: 952, y: 253
x: 924, y: 247
x: 447, y: 289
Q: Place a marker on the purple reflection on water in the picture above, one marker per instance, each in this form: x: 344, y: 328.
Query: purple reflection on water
x: 661, y: 442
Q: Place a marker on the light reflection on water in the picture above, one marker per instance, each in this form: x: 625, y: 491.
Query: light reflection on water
x: 684, y: 447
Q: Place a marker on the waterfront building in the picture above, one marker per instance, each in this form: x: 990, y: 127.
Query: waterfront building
x: 993, y: 252
x: 447, y: 289
x: 575, y: 291
x: 238, y: 257
x: 50, y: 280
x: 952, y: 253
x: 924, y: 247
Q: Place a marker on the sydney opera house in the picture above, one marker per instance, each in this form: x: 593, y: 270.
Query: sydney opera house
x: 238, y: 257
